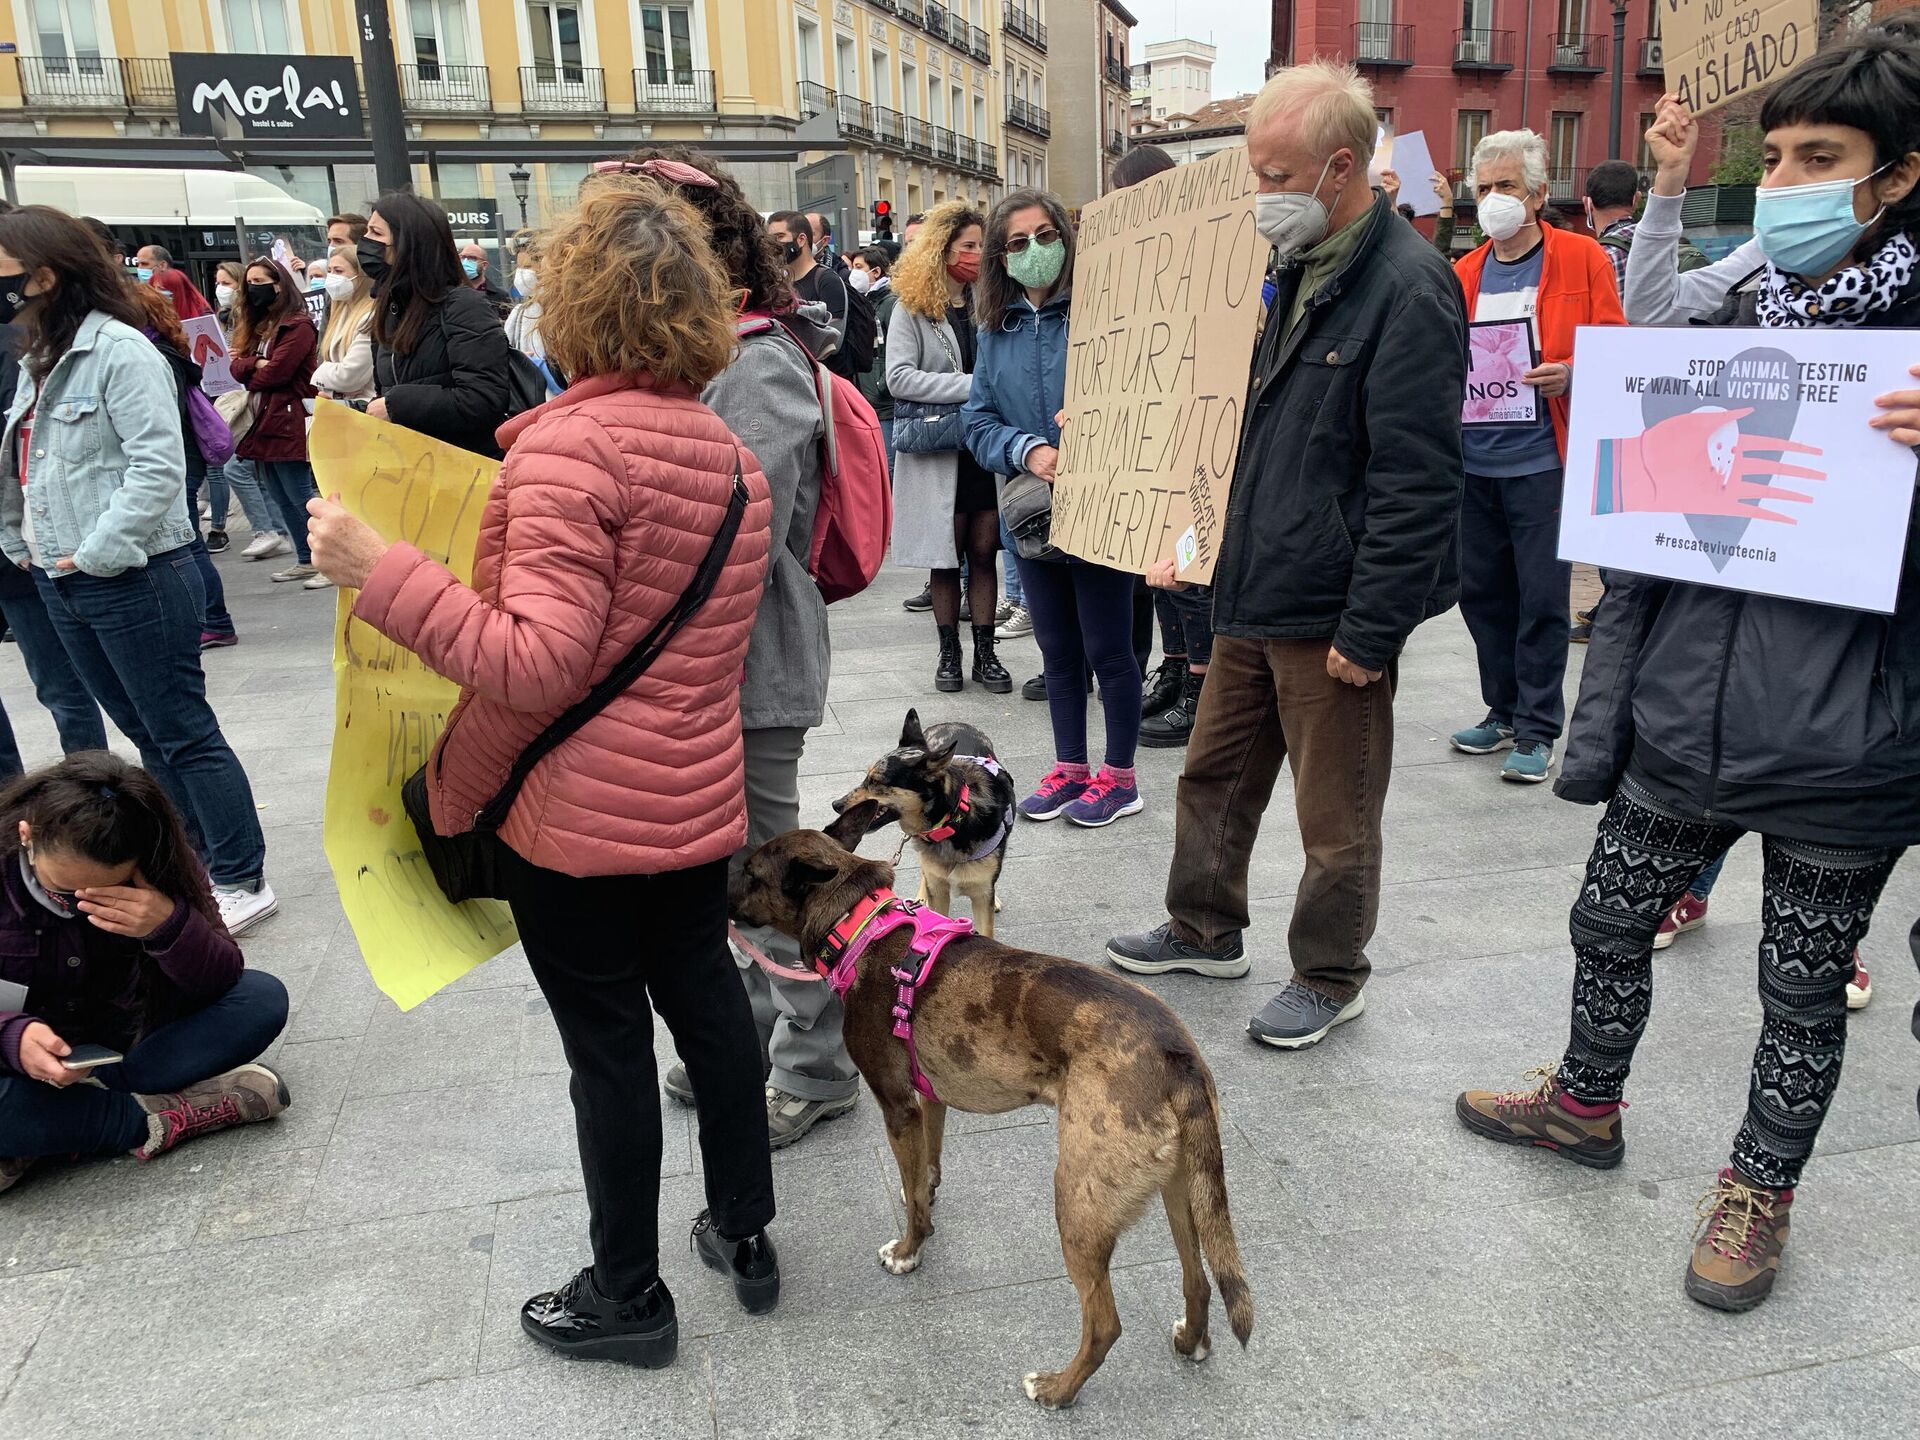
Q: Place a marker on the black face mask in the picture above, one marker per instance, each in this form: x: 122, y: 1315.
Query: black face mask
x: 372, y: 256
x: 13, y: 297
x: 791, y: 251
x: 259, y: 297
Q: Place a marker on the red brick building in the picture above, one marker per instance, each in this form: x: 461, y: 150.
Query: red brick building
x: 1459, y: 69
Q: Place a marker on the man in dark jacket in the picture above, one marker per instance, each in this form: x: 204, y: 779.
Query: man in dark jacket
x: 473, y: 264
x: 1339, y: 539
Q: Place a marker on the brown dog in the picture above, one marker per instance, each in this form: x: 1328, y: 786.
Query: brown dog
x: 996, y: 1028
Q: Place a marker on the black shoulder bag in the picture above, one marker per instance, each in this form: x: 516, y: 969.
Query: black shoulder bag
x: 467, y: 866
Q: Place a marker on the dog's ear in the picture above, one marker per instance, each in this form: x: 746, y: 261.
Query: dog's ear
x: 912, y: 737
x: 854, y: 823
x: 939, y: 755
x: 802, y: 877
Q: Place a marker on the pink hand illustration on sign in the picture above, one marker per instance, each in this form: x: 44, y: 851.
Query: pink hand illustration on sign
x: 1493, y: 356
x: 1699, y: 463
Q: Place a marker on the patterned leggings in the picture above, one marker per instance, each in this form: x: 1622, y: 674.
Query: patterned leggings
x: 1815, y: 909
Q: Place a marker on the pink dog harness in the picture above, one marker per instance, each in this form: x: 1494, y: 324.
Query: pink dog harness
x: 881, y: 913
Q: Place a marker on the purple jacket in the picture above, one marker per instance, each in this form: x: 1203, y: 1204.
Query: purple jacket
x: 86, y: 984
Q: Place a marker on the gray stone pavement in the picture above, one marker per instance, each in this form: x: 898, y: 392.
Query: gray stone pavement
x: 355, y: 1269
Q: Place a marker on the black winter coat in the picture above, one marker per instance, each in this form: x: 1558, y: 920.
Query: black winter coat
x: 455, y: 384
x: 1342, y: 518
x: 1781, y: 716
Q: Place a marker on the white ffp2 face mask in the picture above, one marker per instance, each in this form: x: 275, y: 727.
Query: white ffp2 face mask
x: 339, y: 288
x: 860, y: 280
x: 1502, y: 216
x: 1292, y: 221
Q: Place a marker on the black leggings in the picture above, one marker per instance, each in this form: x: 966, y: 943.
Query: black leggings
x: 976, y: 535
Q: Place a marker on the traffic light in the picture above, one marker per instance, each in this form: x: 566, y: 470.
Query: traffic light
x: 882, y: 218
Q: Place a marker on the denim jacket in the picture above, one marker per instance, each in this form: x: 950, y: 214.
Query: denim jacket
x: 107, y: 476
x: 1019, y: 385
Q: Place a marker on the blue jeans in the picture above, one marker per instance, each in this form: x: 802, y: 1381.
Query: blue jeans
x: 245, y: 481
x: 218, y: 621
x: 54, y: 679
x: 135, y: 641
x: 219, y: 498
x: 290, y: 483
x: 1703, y: 886
x: 886, y: 434
x: 1083, y: 615
x: 40, y: 1119
x: 1011, y: 586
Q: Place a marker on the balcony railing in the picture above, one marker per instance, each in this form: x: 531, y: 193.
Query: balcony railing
x: 561, y: 89
x: 442, y: 89
x: 1566, y: 184
x: 959, y: 32
x: 968, y: 149
x: 94, y: 82
x: 918, y: 139
x: 1652, y: 56
x: 1376, y: 42
x: 1483, y: 50
x: 1119, y: 74
x: 979, y: 43
x: 673, y: 92
x: 815, y: 99
x: 889, y: 126
x: 910, y: 10
x: 1578, y: 55
x: 1023, y: 24
x: 1029, y: 117
x: 935, y: 20
x: 989, y: 158
x: 945, y: 145
x: 1116, y: 143
x: 856, y: 116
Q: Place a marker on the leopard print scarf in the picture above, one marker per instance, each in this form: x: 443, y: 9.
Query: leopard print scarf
x: 1846, y: 298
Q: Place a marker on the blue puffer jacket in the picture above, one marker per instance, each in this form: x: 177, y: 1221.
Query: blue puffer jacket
x: 1019, y: 385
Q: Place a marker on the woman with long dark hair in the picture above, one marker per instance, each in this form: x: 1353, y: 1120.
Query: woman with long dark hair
x: 274, y: 351
x: 93, y: 493
x: 109, y: 937
x: 1082, y: 612
x: 1706, y: 713
x: 237, y: 476
x: 440, y: 355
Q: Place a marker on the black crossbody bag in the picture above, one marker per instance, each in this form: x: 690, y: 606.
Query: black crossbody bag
x: 467, y: 866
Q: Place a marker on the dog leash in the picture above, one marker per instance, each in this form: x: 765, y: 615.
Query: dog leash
x: 760, y: 957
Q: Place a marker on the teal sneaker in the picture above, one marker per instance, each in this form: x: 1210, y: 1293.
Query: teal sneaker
x: 1489, y: 735
x: 1528, y: 763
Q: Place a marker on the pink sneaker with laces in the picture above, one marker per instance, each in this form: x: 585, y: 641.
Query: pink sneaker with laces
x: 1055, y: 792
x: 1106, y: 800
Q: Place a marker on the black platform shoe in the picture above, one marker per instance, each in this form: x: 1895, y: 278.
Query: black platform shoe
x: 579, y: 1321
x: 1164, y: 686
x: 987, y: 669
x: 751, y: 1263
x: 947, y: 677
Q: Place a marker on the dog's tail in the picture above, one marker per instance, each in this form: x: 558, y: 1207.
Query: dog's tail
x: 1197, y: 1108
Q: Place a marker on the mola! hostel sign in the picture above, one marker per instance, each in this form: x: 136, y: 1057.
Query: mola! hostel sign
x: 270, y: 97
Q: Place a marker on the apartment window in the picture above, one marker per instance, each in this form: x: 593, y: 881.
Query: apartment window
x: 67, y: 29
x: 846, y: 69
x: 1469, y: 130
x: 1383, y: 118
x: 910, y: 87
x: 933, y: 99
x: 1643, y: 157
x: 1039, y: 174
x: 1653, y: 19
x: 980, y: 117
x: 439, y: 35
x: 1478, y: 14
x: 882, y: 88
x: 1034, y: 91
x: 257, y: 26
x: 807, y: 51
x: 1563, y: 146
x: 554, y: 30
x: 668, y: 34
x: 1573, y: 16
x: 957, y: 110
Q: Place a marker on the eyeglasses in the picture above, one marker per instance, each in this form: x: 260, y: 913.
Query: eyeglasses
x: 672, y: 171
x: 1045, y: 235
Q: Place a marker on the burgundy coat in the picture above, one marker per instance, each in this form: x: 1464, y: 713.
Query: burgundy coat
x: 86, y: 983
x: 283, y: 378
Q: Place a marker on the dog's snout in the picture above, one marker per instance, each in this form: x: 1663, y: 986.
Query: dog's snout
x: 840, y: 806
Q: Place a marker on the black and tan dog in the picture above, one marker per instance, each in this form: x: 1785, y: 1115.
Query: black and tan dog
x: 955, y: 801
x: 995, y: 1028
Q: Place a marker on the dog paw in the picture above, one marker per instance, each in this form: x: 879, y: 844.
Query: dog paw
x: 898, y: 1264
x: 1195, y: 1351
x: 1044, y: 1388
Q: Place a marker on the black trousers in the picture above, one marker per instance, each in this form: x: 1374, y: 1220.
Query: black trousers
x: 607, y: 952
x: 1513, y: 596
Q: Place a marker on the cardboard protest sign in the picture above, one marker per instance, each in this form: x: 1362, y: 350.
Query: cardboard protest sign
x: 1501, y: 352
x: 389, y: 708
x: 1716, y: 51
x: 207, y: 344
x: 1740, y: 458
x: 1166, y: 302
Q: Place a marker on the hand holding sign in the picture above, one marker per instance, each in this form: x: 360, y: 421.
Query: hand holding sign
x: 1698, y: 464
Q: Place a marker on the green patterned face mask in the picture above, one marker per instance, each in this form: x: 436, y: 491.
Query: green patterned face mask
x: 1038, y: 266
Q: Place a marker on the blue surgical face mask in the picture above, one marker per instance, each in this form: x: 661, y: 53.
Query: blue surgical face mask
x: 145, y: 272
x: 316, y: 282
x: 1808, y: 229
x: 472, y: 267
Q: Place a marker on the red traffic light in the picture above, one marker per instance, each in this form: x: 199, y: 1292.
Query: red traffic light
x: 882, y: 209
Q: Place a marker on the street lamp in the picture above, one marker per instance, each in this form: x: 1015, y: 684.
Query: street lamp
x: 522, y: 177
x: 1619, y: 64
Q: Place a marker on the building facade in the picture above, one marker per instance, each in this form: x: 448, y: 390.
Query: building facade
x: 1216, y: 126
x: 1175, y: 77
x: 1458, y: 74
x: 1026, y: 47
x: 510, y: 98
x: 1092, y: 80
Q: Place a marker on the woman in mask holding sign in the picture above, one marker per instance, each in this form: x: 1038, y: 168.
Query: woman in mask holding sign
x: 1707, y: 713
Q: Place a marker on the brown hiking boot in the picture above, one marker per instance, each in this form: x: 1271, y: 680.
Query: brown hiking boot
x: 1534, y: 1117
x: 12, y: 1167
x: 239, y: 1097
x: 1737, y: 1244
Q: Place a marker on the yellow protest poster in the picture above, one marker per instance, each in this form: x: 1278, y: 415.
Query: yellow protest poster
x: 389, y: 708
x: 1717, y: 51
x: 1166, y: 304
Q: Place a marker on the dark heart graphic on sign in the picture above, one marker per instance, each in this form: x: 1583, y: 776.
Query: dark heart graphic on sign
x: 1765, y: 379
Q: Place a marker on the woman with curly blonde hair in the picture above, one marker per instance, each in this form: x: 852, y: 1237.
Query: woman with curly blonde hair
x: 610, y: 496
x: 946, y: 506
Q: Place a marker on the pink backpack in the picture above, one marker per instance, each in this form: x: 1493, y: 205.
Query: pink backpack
x: 854, y: 522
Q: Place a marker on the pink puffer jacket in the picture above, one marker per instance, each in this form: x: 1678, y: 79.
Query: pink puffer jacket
x: 609, y: 498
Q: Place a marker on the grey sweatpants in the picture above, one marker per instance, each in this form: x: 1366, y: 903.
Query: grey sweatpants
x: 798, y: 1020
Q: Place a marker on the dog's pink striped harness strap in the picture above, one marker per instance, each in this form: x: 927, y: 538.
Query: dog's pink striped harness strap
x: 881, y: 913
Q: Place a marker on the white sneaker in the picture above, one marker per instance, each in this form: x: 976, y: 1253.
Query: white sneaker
x: 1018, y: 623
x: 294, y: 572
x: 266, y: 545
x: 243, y: 909
x: 317, y: 582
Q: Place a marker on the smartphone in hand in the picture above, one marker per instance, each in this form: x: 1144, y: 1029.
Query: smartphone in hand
x: 86, y: 1057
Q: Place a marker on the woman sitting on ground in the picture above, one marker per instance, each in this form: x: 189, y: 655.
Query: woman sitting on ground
x: 109, y: 937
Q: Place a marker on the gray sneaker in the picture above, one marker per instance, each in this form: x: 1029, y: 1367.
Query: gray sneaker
x: 791, y: 1116
x: 1157, y: 952
x: 677, y: 1084
x: 1298, y: 1017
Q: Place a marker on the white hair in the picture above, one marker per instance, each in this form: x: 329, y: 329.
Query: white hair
x: 1522, y: 145
x: 1334, y: 106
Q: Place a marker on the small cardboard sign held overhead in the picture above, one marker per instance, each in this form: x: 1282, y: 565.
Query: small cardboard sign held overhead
x: 1718, y: 51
